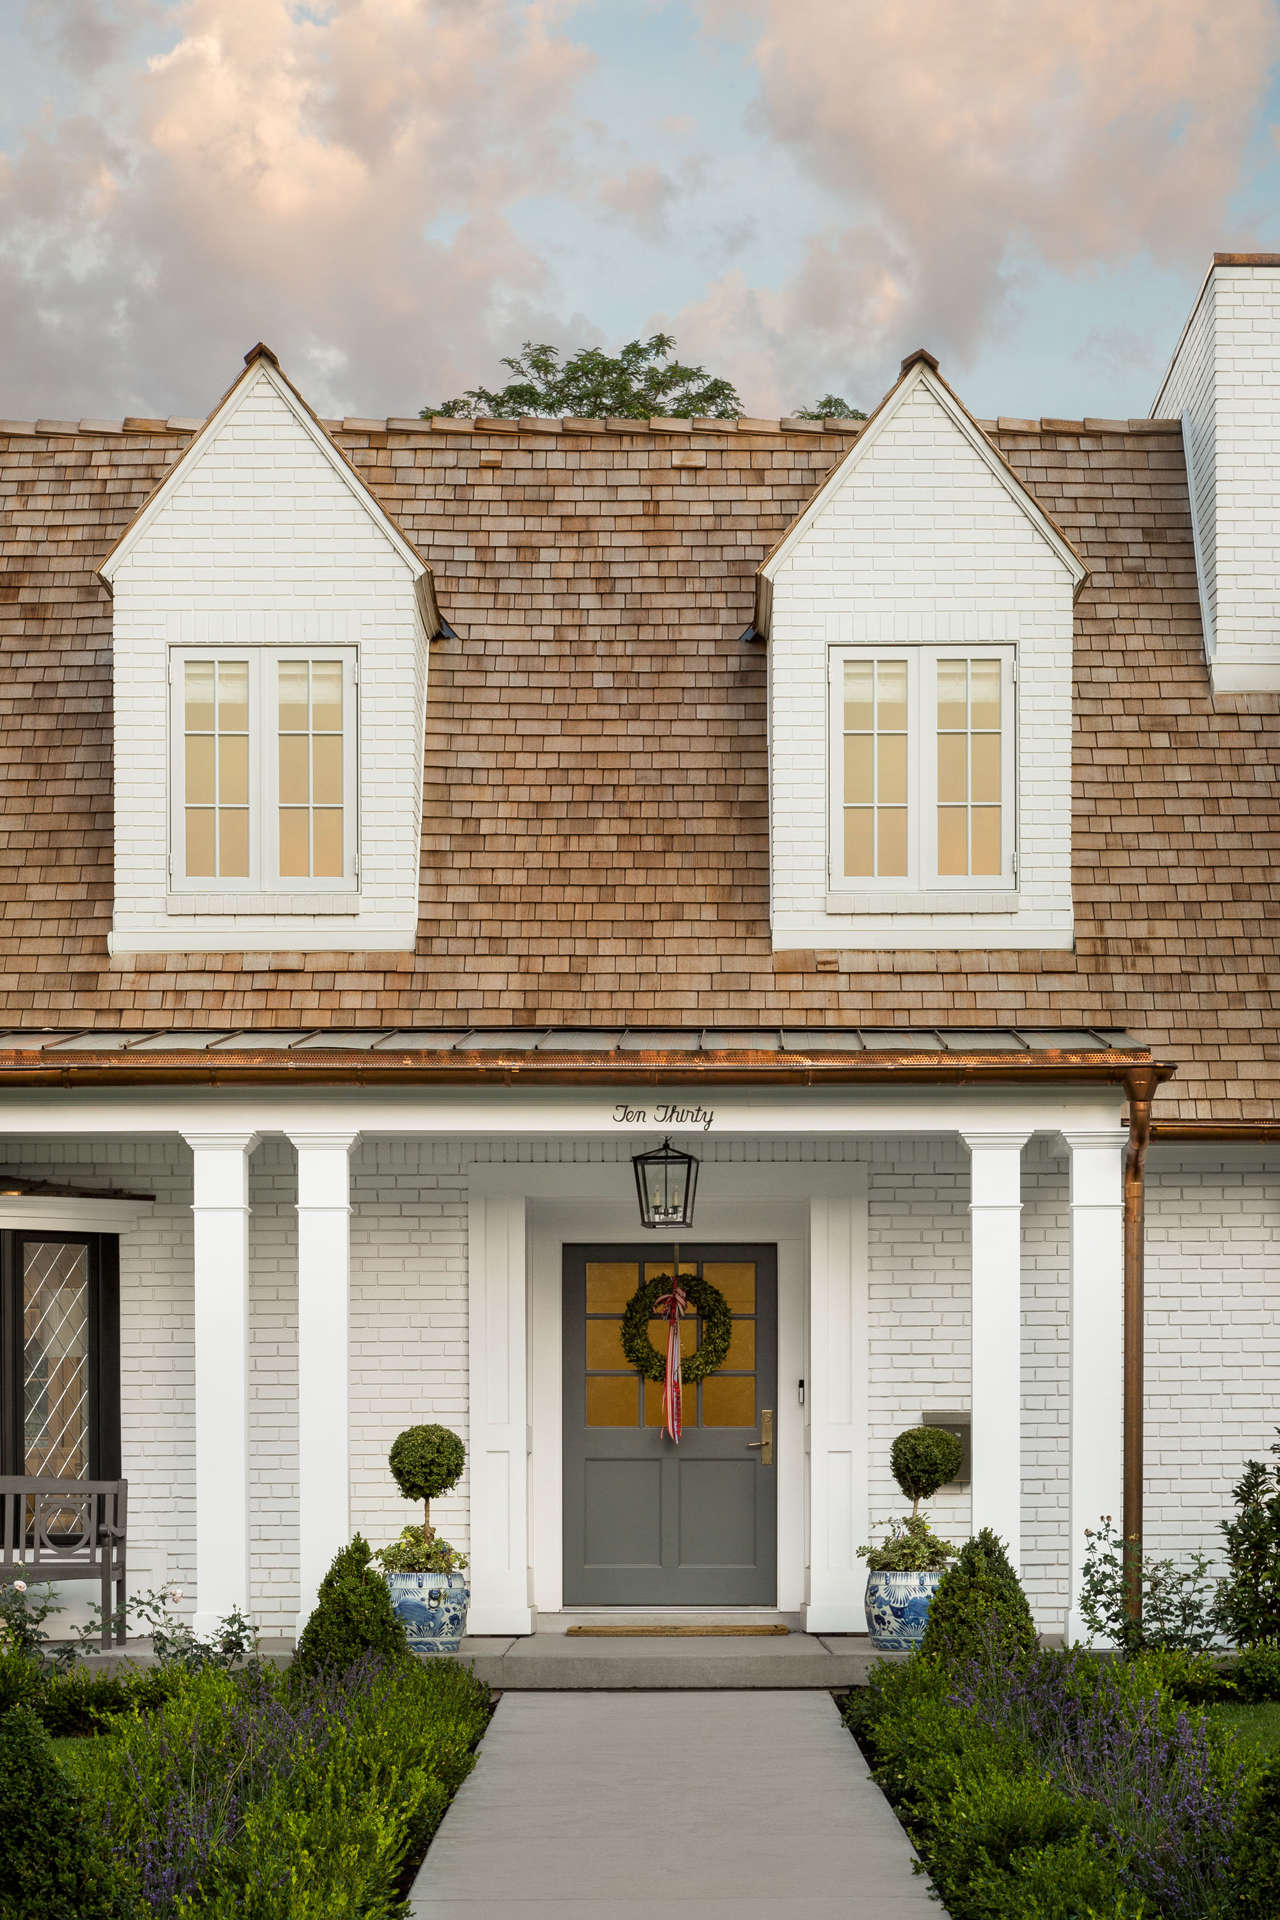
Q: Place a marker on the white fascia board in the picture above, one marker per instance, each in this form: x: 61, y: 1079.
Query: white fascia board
x: 261, y: 370
x: 1155, y: 413
x: 921, y: 375
x: 64, y: 1214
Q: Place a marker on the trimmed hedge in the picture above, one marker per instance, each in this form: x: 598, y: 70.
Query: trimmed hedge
x: 353, y: 1617
x: 979, y: 1607
x: 52, y: 1858
x: 269, y: 1795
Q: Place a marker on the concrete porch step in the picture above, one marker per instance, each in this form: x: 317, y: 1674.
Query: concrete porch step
x: 565, y: 1663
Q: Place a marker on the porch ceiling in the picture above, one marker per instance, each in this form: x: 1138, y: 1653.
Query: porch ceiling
x: 571, y: 1055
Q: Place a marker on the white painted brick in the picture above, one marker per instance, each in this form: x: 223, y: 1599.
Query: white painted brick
x: 1224, y: 384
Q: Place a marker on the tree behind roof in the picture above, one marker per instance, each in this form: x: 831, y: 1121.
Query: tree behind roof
x: 641, y: 380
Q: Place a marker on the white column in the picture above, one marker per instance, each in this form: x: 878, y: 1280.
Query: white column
x: 324, y: 1279
x: 837, y: 1389
x: 1096, y: 1344
x: 995, y: 1214
x: 220, y: 1209
x: 498, y: 1448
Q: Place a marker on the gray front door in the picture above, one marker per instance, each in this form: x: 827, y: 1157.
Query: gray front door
x: 646, y: 1522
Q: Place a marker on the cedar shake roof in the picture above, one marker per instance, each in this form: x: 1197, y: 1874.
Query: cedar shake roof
x: 594, y: 847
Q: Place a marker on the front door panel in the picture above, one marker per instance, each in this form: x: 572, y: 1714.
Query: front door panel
x: 649, y: 1523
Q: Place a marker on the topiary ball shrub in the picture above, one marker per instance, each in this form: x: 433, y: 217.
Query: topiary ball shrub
x: 352, y: 1618
x: 979, y: 1610
x: 923, y: 1459
x: 426, y: 1462
x: 53, y: 1860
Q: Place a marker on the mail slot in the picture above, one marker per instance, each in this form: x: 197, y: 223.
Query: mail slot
x: 957, y: 1421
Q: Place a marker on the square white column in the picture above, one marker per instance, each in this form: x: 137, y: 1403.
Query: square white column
x: 995, y: 1215
x: 220, y: 1212
x: 498, y: 1431
x: 324, y: 1421
x: 837, y: 1372
x: 1096, y: 1337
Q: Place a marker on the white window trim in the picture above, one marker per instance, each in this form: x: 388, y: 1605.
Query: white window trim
x: 263, y: 885
x: 922, y: 889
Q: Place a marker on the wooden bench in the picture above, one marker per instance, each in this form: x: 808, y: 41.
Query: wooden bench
x: 53, y: 1530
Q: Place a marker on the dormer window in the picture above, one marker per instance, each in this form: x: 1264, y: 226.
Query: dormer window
x: 922, y: 768
x: 264, y: 765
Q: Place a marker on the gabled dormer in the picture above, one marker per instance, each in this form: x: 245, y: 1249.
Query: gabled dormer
x: 271, y: 626
x: 919, y: 621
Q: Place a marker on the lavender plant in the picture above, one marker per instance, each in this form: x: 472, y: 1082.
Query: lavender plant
x: 1167, y: 1798
x: 260, y: 1793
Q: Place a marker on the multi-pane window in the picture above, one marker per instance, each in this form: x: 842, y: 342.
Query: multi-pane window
x: 59, y: 1355
x: 923, y: 768
x: 264, y: 771
x: 215, y: 715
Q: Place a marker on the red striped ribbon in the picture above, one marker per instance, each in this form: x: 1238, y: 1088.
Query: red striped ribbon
x: 671, y: 1306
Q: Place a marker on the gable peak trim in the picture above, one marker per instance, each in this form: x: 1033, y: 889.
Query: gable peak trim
x: 261, y: 364
x: 920, y: 368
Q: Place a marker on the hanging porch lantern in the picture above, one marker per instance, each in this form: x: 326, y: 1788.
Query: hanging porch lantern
x: 665, y: 1181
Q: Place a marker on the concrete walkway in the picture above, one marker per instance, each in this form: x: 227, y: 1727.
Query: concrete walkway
x: 639, y: 1806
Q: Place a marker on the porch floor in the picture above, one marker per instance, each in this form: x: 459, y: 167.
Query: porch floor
x: 564, y: 1663
x: 623, y: 1806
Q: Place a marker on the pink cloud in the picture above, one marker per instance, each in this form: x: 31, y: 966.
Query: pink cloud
x: 276, y: 174
x: 956, y: 142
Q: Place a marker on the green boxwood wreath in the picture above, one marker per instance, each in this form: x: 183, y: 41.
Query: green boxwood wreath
x: 717, y: 1329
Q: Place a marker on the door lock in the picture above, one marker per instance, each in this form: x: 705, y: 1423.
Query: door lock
x: 765, y: 1443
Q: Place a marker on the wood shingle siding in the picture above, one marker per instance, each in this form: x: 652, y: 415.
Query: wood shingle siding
x: 594, y: 845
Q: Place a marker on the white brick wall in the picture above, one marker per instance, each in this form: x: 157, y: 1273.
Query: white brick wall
x: 1213, y: 1348
x: 1224, y: 384
x: 263, y: 543
x: 920, y: 542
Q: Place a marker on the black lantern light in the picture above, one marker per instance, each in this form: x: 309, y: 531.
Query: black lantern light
x: 665, y: 1180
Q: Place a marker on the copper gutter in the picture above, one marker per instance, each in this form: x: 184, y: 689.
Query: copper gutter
x: 1242, y: 1132
x: 345, y: 1066
x: 1141, y: 1085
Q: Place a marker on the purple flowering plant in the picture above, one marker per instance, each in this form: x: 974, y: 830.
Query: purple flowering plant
x: 1165, y: 1794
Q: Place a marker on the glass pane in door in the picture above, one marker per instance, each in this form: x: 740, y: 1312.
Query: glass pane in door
x: 726, y: 1399
x: 55, y: 1358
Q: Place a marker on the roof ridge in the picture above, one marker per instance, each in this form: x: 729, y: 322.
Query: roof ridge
x: 438, y: 423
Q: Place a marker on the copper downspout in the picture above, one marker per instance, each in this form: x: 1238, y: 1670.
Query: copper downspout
x: 1141, y: 1085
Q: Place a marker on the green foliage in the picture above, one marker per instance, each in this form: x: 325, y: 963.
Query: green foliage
x: 713, y: 1311
x: 979, y: 1606
x: 639, y: 381
x: 352, y: 1617
x: 1255, y: 1879
x: 923, y: 1459
x: 261, y: 1796
x: 1254, y: 1675
x: 426, y: 1461
x: 1249, y: 1597
x: 52, y: 1858
x: 23, y: 1612
x: 1179, y: 1603
x: 832, y: 406
x: 910, y: 1546
x: 417, y: 1551
x: 1065, y: 1880
x: 1193, y: 1678
x: 994, y: 1816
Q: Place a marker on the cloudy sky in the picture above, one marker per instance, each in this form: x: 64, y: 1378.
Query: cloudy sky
x: 394, y: 193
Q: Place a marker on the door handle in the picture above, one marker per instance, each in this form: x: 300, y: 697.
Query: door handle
x: 765, y: 1443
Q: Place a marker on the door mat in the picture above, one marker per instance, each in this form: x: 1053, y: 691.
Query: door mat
x: 674, y: 1633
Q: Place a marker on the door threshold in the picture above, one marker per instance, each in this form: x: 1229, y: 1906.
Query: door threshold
x: 664, y: 1621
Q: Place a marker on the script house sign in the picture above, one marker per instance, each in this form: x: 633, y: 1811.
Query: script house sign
x: 663, y: 1116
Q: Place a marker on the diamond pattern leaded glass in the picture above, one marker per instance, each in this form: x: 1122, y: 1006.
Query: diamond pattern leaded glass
x: 55, y: 1358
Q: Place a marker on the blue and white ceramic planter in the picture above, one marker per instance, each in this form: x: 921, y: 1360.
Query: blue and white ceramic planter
x: 897, y: 1609
x: 432, y: 1609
